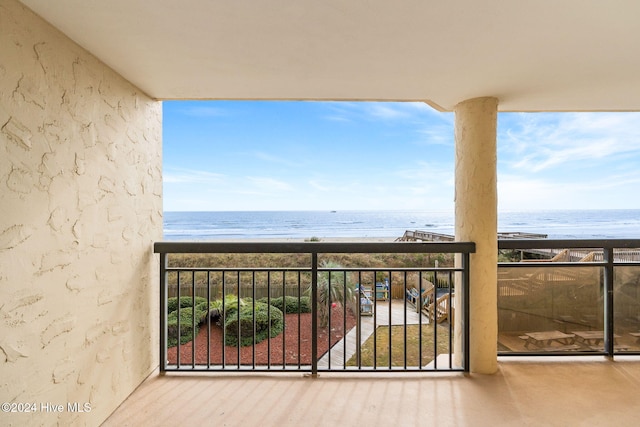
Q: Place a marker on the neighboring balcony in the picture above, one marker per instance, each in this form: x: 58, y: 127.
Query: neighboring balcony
x: 569, y: 297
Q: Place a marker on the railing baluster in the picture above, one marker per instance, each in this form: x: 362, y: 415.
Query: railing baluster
x: 299, y: 318
x: 239, y: 328
x: 284, y: 312
x: 451, y: 318
x: 193, y: 319
x: 465, y: 307
x: 224, y: 318
x: 608, y: 302
x: 435, y: 319
x: 314, y: 312
x: 404, y: 313
x: 178, y: 322
x: 359, y: 323
x: 253, y: 318
x: 208, y: 319
x: 375, y: 323
x: 344, y: 320
x: 419, y: 310
x: 329, y: 298
x: 163, y: 311
x: 390, y: 317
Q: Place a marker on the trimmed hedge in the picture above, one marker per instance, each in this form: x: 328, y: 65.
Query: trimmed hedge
x: 267, y: 319
x: 187, y: 332
x: 290, y: 304
x: 172, y: 303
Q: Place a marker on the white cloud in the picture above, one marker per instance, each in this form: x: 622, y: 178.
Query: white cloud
x: 536, y: 142
x: 191, y: 176
x: 387, y: 111
x: 521, y: 192
x: 261, y: 155
x: 569, y: 160
x: 427, y: 173
x: 436, y: 135
x: 338, y: 118
x: 268, y: 185
x: 320, y: 186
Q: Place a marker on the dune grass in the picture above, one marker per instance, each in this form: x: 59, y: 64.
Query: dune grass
x: 294, y: 261
x: 302, y: 260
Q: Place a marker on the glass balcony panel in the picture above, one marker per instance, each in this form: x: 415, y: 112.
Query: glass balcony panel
x: 541, y: 308
x: 626, y: 302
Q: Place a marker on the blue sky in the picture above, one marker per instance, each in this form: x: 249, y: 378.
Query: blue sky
x: 256, y: 155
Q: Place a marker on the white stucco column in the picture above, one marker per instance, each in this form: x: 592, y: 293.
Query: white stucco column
x: 476, y: 212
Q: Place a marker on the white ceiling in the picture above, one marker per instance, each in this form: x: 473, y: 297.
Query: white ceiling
x: 542, y: 55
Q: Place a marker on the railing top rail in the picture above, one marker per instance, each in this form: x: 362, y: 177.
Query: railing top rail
x: 341, y: 269
x: 313, y: 247
x: 568, y: 243
x: 553, y: 264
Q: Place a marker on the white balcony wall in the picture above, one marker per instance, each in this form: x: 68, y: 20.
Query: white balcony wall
x: 80, y: 205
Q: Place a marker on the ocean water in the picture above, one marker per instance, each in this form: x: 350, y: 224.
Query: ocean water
x: 557, y: 224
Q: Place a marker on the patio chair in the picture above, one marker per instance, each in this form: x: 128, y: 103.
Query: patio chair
x: 366, y: 302
x: 413, y: 296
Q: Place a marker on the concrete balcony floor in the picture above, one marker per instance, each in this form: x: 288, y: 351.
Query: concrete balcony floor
x: 550, y: 391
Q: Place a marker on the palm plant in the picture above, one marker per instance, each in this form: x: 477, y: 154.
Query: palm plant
x: 332, y: 289
x: 231, y: 302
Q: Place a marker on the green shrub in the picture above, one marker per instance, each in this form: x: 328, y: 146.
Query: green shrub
x: 172, y: 303
x: 267, y: 319
x: 289, y: 304
x: 305, y: 305
x: 231, y: 307
x: 230, y: 301
x: 187, y: 332
x: 203, y: 306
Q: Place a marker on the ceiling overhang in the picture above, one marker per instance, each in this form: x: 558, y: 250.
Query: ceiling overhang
x: 547, y: 55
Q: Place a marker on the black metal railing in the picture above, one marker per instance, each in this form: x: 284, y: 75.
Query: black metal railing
x: 581, y: 298
x: 300, y: 311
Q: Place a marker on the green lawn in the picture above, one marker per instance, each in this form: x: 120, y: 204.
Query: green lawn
x: 398, y: 346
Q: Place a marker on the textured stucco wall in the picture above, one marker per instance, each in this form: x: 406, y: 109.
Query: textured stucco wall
x: 80, y: 204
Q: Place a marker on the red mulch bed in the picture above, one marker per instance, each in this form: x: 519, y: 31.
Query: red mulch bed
x: 273, y: 347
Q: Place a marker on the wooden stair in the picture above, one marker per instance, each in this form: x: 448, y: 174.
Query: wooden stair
x: 436, y: 309
x: 439, y: 309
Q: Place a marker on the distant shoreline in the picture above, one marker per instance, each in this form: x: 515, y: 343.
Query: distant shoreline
x: 383, y: 226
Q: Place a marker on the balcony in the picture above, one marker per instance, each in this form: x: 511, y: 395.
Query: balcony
x: 580, y: 387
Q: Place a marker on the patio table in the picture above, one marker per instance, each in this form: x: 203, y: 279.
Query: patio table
x: 591, y: 337
x: 541, y: 339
